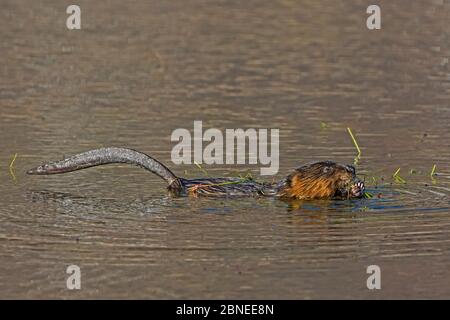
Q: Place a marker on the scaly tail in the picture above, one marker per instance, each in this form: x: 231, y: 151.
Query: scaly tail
x: 102, y: 156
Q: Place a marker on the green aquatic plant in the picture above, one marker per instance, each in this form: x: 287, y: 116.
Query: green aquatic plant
x: 433, y: 171
x: 432, y: 174
x: 248, y: 176
x: 11, y: 168
x: 201, y: 169
x: 358, y: 156
x: 323, y: 125
x: 397, y: 177
x: 375, y: 181
x: 367, y: 195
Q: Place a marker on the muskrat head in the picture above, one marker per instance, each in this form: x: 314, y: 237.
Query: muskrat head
x: 323, y: 180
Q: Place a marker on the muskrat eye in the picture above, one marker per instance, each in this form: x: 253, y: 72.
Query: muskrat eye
x: 351, y: 169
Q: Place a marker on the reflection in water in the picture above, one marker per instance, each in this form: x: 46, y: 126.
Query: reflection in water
x: 309, y: 68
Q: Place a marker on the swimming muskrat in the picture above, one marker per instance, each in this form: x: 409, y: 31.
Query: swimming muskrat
x: 318, y: 180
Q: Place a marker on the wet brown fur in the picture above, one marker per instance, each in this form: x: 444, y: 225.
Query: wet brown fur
x: 320, y: 180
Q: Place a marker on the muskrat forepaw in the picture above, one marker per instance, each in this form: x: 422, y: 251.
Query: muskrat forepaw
x: 357, y: 189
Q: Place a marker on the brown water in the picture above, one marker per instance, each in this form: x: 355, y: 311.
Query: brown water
x: 137, y: 71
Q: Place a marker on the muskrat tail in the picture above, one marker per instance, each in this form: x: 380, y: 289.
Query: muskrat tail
x: 103, y: 156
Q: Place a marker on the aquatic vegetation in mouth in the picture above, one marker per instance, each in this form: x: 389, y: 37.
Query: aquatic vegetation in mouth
x: 358, y: 156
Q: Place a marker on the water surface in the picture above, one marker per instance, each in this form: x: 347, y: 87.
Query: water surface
x: 135, y: 72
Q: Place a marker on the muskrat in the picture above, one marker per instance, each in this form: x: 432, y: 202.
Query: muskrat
x: 318, y: 180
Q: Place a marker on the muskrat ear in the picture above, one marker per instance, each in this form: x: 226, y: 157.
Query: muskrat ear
x: 327, y: 169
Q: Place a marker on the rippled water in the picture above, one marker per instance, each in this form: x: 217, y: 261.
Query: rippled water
x: 135, y: 72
